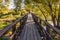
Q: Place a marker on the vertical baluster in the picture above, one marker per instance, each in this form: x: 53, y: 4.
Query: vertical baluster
x: 43, y: 34
x: 13, y: 30
x: 48, y: 30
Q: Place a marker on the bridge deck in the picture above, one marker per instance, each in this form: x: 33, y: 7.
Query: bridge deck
x: 30, y: 31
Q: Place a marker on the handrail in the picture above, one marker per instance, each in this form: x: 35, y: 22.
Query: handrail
x: 49, y: 25
x: 41, y: 28
x: 2, y: 32
x: 46, y: 32
x: 47, y: 35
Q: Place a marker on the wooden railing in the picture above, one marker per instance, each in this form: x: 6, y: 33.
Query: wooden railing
x: 12, y: 26
x: 45, y: 32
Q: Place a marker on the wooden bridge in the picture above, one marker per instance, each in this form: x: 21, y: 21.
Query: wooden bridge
x: 30, y: 28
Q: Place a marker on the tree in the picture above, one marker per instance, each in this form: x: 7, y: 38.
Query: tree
x: 17, y: 4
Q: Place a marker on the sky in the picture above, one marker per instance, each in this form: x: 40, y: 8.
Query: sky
x: 11, y: 5
x: 22, y: 4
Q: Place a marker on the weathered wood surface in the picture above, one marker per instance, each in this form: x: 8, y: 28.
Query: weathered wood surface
x: 30, y: 31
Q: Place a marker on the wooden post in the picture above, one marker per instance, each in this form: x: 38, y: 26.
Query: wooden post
x: 13, y: 30
x: 48, y: 30
x: 40, y: 21
x: 42, y: 32
x: 47, y: 37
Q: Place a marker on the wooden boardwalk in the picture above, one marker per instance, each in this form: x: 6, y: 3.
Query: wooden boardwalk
x: 30, y: 31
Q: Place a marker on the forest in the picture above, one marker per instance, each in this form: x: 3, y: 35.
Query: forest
x: 48, y: 10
